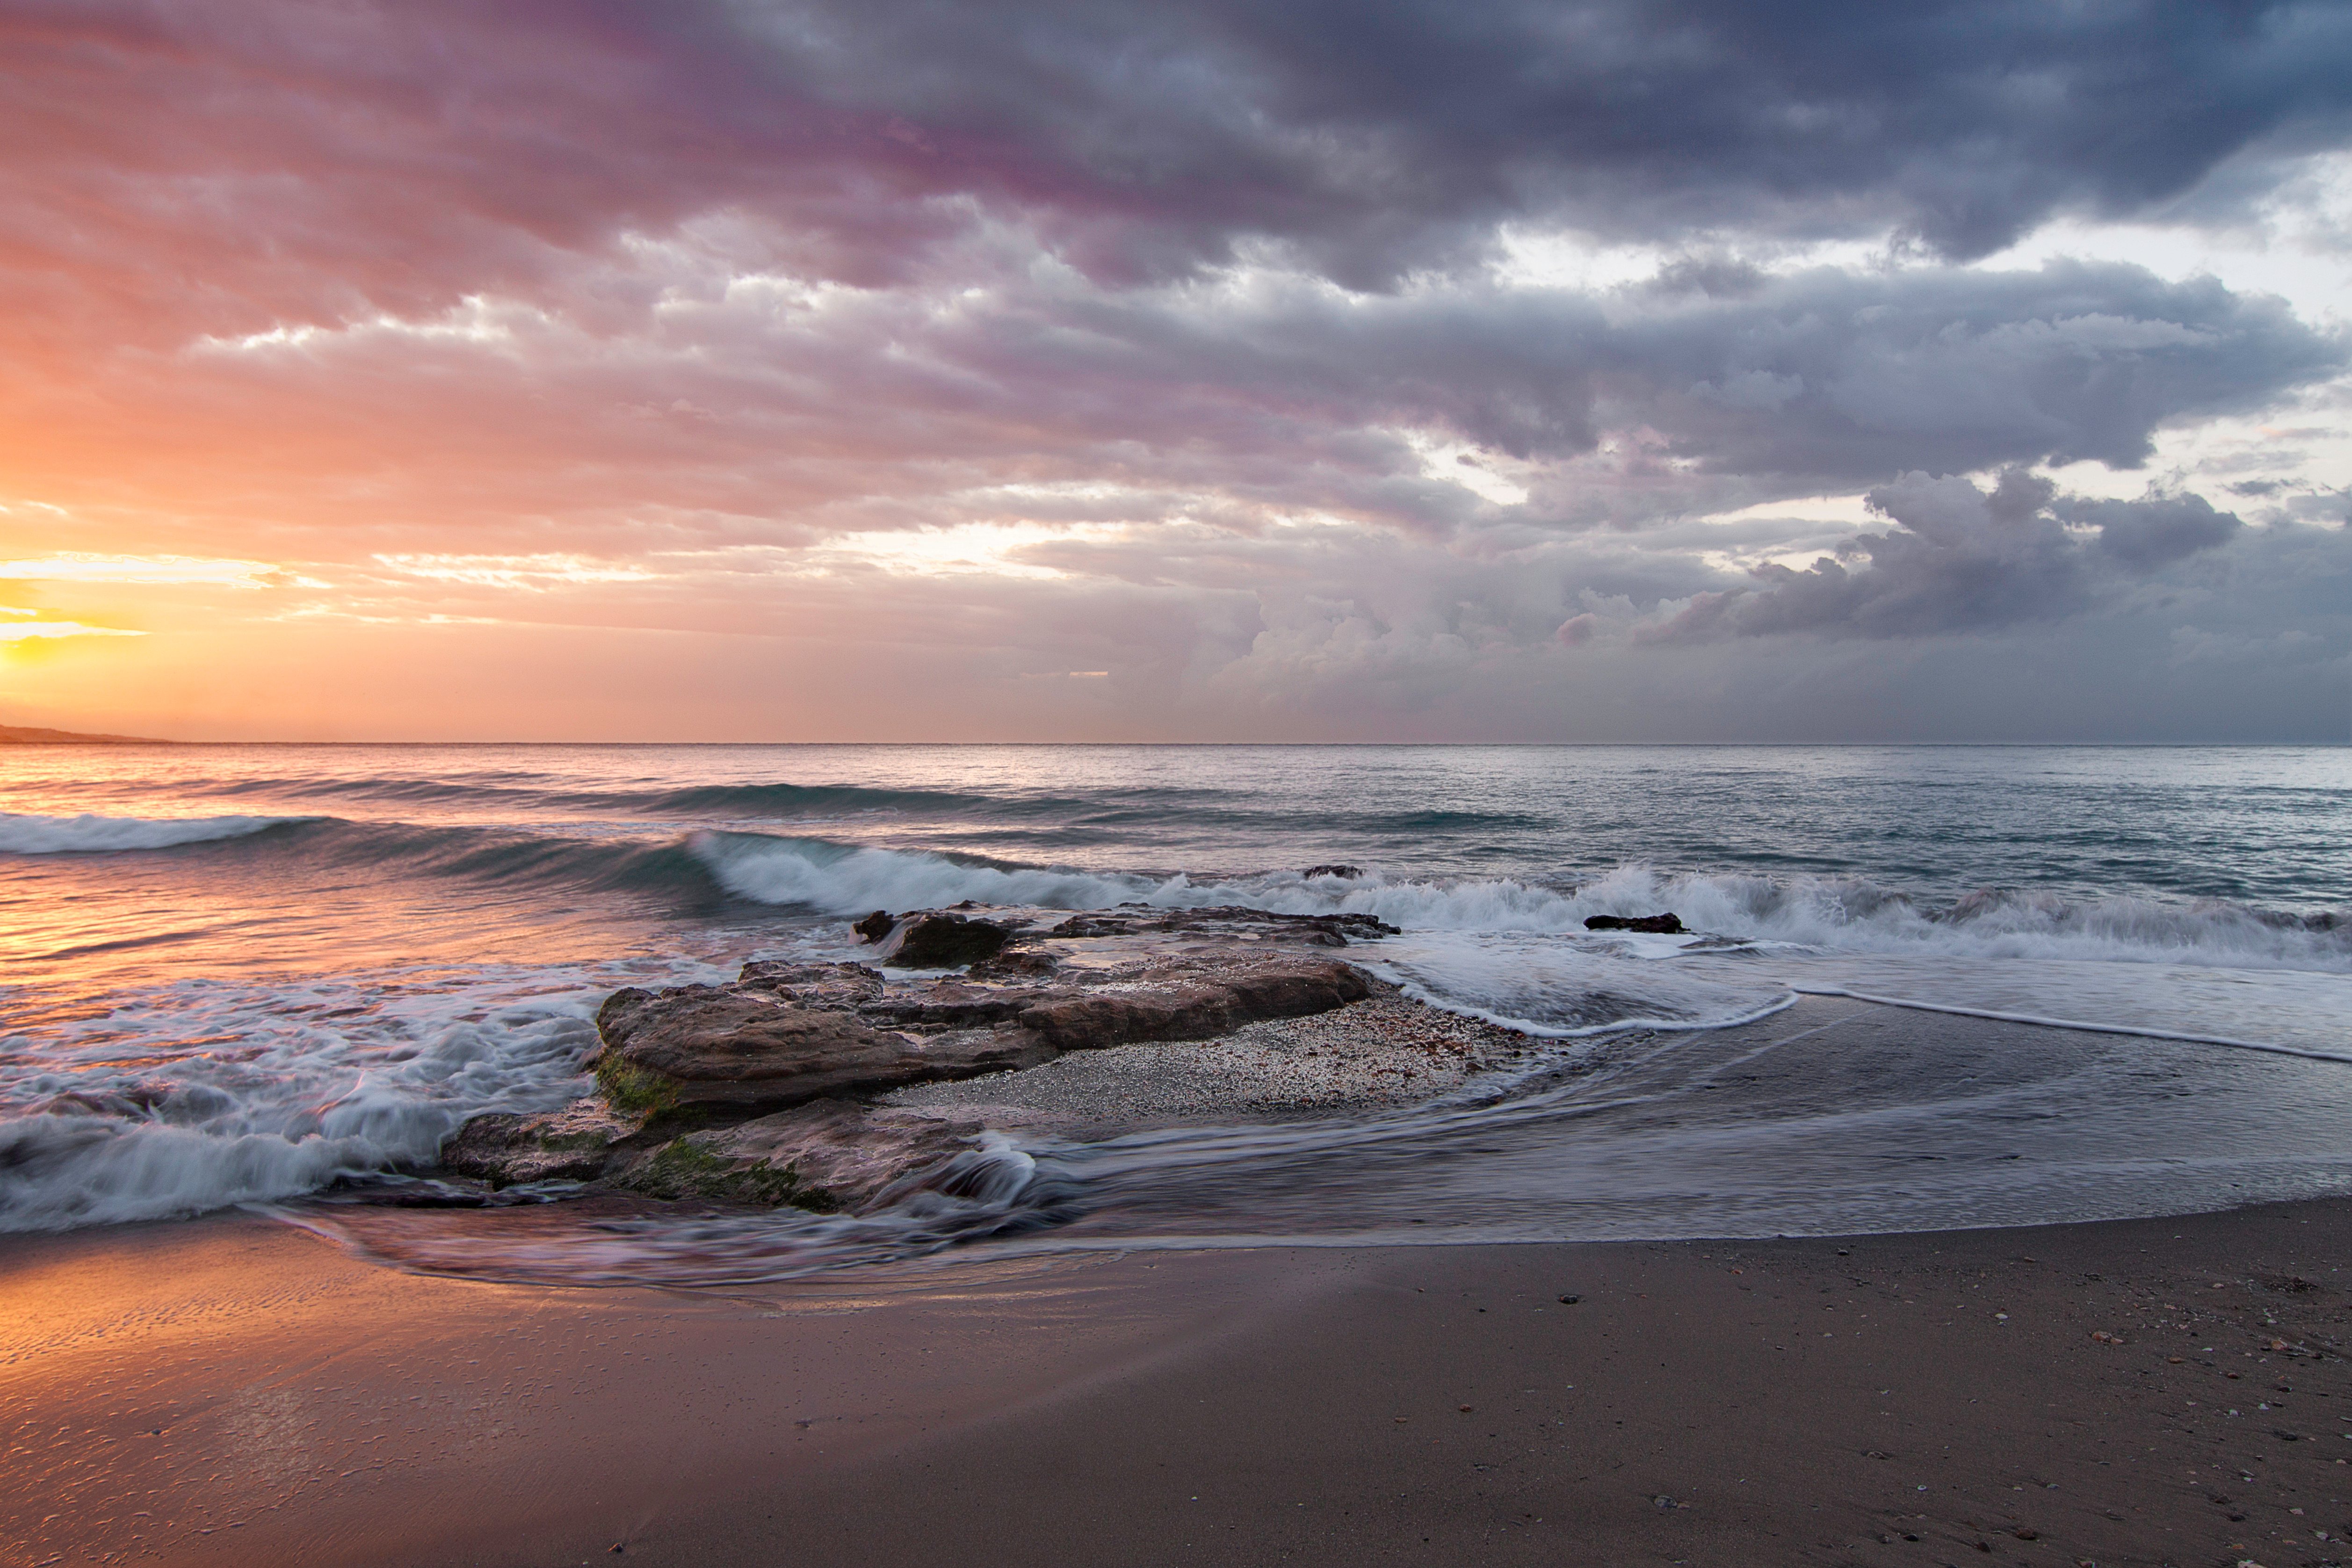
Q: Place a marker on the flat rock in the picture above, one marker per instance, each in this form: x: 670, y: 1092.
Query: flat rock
x: 1017, y: 962
x: 953, y: 1004
x: 786, y: 1033
x: 976, y: 1053
x: 841, y: 987
x: 1228, y: 920
x: 1185, y: 1004
x: 830, y: 1155
x: 725, y: 1046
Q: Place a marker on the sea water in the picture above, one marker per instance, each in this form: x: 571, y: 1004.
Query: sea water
x: 249, y: 974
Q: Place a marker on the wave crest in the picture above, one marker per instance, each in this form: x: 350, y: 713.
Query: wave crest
x: 24, y: 834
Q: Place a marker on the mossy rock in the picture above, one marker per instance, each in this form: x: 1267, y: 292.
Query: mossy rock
x: 685, y: 1169
x: 637, y: 1091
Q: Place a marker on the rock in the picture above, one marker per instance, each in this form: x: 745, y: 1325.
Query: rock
x: 1656, y: 925
x: 746, y: 1048
x: 712, y: 1045
x: 874, y: 926
x: 421, y: 1192
x: 1017, y: 962
x: 1229, y: 920
x: 575, y: 1143
x: 1086, y: 1021
x: 841, y: 987
x: 1195, y: 1009
x: 1236, y: 917
x: 953, y: 1004
x: 1297, y: 987
x: 1092, y: 926
x: 976, y: 1053
x: 830, y: 1155
x: 1344, y: 872
x: 786, y: 1033
x: 932, y: 940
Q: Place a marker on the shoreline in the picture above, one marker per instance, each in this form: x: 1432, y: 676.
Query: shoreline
x: 233, y: 1388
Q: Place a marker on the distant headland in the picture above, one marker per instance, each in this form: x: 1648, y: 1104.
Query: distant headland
x: 23, y: 734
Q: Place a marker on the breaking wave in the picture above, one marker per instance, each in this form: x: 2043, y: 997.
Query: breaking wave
x: 1835, y: 915
x: 194, y: 1095
x: 21, y: 834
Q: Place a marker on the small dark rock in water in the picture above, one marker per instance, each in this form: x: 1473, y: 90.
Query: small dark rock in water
x: 1344, y: 872
x: 1656, y: 925
x: 1569, y: 1300
x: 934, y: 941
x: 874, y: 926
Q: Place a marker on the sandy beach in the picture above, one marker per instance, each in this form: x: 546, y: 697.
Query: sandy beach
x: 2149, y: 1391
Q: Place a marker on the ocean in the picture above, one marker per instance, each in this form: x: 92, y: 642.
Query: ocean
x: 275, y: 974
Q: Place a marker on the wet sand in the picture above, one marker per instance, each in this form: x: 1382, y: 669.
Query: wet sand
x: 232, y: 1389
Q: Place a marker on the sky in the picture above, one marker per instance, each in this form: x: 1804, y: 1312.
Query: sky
x: 1196, y: 371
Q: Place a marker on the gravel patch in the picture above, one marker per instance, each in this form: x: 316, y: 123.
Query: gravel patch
x: 1385, y: 1051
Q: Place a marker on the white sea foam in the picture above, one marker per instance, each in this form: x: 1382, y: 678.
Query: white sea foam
x: 23, y: 834
x: 1562, y: 988
x: 1517, y: 953
x: 198, y: 1094
x: 840, y: 879
x: 1835, y: 915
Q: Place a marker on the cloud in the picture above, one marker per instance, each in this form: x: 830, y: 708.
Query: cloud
x: 968, y: 351
x: 2144, y: 535
x: 87, y: 567
x: 1961, y: 560
x: 286, y: 162
x: 47, y: 631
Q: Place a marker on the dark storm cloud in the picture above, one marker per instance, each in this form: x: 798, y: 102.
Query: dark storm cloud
x: 1380, y: 135
x: 311, y: 157
x: 1961, y: 560
x: 177, y: 174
